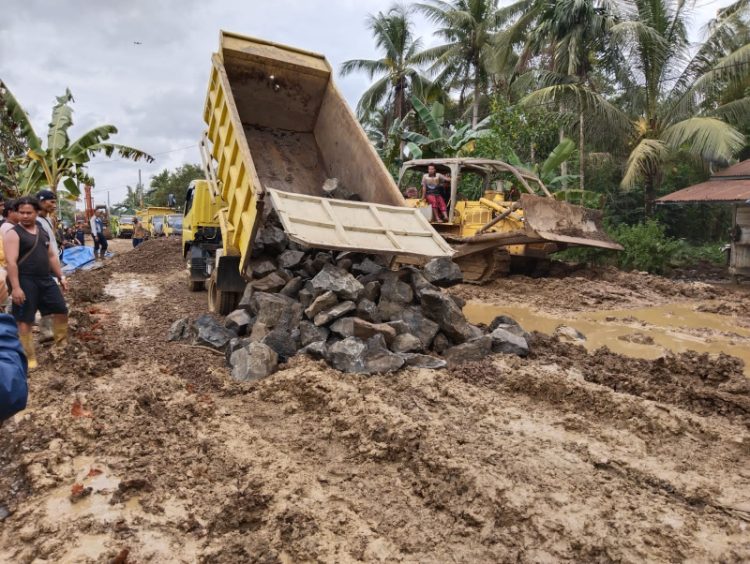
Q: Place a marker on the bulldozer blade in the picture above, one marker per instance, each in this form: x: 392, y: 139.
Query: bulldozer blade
x: 553, y: 220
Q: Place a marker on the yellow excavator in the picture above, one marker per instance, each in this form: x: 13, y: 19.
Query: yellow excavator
x: 517, y: 219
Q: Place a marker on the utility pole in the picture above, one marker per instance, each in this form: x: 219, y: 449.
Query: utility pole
x: 107, y: 201
x: 140, y: 188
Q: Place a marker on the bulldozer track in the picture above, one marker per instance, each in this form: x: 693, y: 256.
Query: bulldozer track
x: 479, y: 268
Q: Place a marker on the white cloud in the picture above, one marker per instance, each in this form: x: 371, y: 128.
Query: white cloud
x: 154, y: 91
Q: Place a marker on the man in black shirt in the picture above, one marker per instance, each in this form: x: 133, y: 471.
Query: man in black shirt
x: 30, y: 261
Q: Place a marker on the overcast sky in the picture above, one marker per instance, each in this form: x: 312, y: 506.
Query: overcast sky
x: 153, y: 91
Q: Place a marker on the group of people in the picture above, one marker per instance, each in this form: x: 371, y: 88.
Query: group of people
x: 31, y: 273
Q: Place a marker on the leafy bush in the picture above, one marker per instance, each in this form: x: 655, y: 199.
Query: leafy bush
x: 646, y: 247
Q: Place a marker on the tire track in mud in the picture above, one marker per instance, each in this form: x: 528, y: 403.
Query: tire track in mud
x: 507, y: 459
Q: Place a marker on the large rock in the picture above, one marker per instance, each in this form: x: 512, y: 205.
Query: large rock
x: 322, y: 259
x: 508, y: 343
x: 569, y: 334
x: 356, y: 327
x: 378, y: 359
x: 419, y: 325
x: 394, y: 290
x: 348, y: 355
x: 317, y: 350
x: 276, y: 310
x: 388, y: 310
x: 213, y: 335
x: 443, y: 272
x: 179, y: 330
x: 311, y: 333
x: 334, y: 279
x: 290, y: 259
x: 440, y: 343
x: 272, y: 239
x: 305, y: 297
x: 470, y: 351
x: 419, y: 283
x: 372, y: 291
x: 441, y: 308
x: 406, y: 343
x: 339, y: 310
x: 239, y: 321
x: 234, y: 344
x: 367, y: 266
x: 259, y: 332
x: 253, y: 362
x: 283, y: 343
x: 324, y: 301
x: 292, y: 288
x: 263, y: 268
x: 246, y: 301
x: 422, y: 361
x: 271, y: 283
x: 368, y: 311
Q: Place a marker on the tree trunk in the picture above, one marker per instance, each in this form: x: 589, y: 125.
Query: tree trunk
x: 564, y: 164
x: 475, y: 110
x: 580, y: 151
x: 649, y: 195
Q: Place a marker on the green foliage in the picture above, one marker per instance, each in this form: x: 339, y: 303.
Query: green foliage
x: 647, y: 247
x: 172, y: 182
x: 518, y: 131
x: 440, y: 140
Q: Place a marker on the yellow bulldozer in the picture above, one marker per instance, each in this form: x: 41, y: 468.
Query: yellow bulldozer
x: 516, y: 218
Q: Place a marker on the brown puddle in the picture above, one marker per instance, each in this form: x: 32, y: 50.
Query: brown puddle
x: 655, y: 330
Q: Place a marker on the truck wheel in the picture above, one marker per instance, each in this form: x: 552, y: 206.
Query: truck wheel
x: 221, y: 302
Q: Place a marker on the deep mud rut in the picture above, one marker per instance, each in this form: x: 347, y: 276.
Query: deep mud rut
x: 142, y: 449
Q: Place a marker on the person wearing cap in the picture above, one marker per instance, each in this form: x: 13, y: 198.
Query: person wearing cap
x: 31, y: 264
x: 97, y: 232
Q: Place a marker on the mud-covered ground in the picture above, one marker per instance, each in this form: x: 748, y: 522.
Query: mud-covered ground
x: 142, y: 450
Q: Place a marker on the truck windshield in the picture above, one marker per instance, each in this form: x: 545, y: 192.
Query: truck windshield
x: 126, y: 220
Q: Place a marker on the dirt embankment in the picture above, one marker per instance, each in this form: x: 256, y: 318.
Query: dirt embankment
x: 562, y: 456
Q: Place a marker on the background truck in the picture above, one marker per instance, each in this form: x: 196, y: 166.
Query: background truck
x: 281, y: 135
x: 125, y: 226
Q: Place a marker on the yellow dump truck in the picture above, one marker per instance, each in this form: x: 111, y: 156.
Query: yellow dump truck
x: 125, y: 226
x: 201, y: 232
x: 280, y: 134
x: 153, y: 218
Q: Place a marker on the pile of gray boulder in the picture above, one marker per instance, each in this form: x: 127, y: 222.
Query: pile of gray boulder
x: 351, y: 311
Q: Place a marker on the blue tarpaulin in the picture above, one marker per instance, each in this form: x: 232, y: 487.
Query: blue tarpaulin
x: 76, y: 257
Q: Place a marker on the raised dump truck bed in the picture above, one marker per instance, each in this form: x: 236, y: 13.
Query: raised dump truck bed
x: 278, y: 124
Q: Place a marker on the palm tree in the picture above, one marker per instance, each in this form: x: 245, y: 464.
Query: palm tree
x: 684, y: 112
x: 468, y: 28
x: 397, y: 68
x: 572, y: 33
x: 62, y: 160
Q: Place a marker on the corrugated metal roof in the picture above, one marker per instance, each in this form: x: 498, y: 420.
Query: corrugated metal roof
x: 730, y: 185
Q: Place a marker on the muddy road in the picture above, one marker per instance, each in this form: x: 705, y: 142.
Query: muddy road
x: 143, y: 450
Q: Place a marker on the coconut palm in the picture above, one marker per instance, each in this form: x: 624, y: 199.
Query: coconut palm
x: 62, y: 161
x: 397, y: 69
x: 686, y: 113
x: 467, y: 56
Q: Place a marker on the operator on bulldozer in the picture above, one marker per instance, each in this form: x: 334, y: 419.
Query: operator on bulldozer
x: 432, y: 186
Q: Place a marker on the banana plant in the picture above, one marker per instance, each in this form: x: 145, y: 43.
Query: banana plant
x: 62, y: 161
x: 441, y: 140
x: 547, y: 171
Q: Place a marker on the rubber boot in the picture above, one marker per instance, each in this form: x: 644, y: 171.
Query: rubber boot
x: 27, y: 342
x: 60, y: 330
x: 46, y: 333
